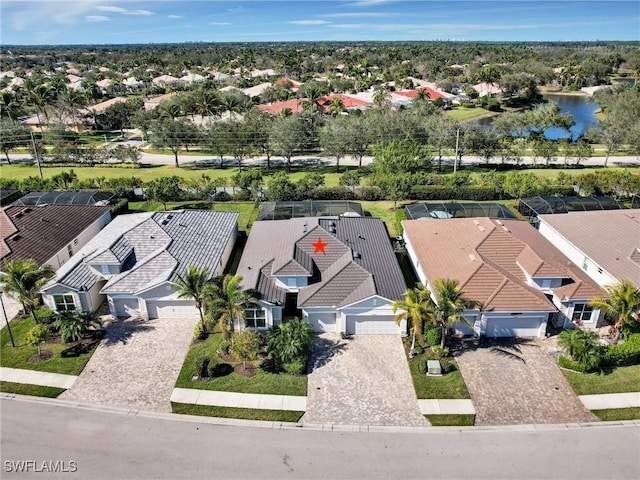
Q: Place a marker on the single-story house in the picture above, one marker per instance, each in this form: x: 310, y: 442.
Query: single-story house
x: 519, y: 278
x: 49, y: 234
x: 340, y: 274
x: 605, y: 243
x: 134, y: 261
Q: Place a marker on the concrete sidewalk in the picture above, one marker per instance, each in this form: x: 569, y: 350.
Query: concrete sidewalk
x: 611, y: 400
x: 446, y: 407
x: 33, y: 377
x: 239, y: 400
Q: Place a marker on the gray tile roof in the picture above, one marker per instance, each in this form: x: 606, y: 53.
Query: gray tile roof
x: 338, y: 278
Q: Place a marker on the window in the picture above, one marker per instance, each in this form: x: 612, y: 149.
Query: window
x: 64, y: 302
x: 581, y: 313
x: 255, y: 317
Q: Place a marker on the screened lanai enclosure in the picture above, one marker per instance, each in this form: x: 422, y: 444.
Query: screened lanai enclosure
x: 457, y: 210
x: 95, y: 198
x: 531, y: 207
x: 324, y: 208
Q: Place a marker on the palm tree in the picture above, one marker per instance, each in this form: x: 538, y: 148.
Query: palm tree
x: 229, y: 302
x: 39, y: 97
x: 23, y: 279
x: 448, y: 307
x: 422, y: 95
x: 9, y: 104
x: 413, y: 308
x: 198, y: 285
x: 336, y: 107
x: 381, y: 96
x: 581, y: 345
x: 623, y: 302
x: 73, y: 325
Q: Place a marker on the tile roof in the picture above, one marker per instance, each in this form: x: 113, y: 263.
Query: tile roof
x: 491, y: 259
x: 589, y: 231
x: 295, y: 105
x: 41, y: 232
x: 358, y: 261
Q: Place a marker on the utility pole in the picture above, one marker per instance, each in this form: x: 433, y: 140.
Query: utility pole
x: 37, y: 155
x: 455, y: 160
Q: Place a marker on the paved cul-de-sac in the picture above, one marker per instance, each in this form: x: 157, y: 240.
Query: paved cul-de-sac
x: 514, y: 382
x: 136, y: 365
x: 361, y: 381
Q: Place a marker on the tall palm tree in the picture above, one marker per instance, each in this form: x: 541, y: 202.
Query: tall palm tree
x: 414, y: 309
x: 623, y: 302
x: 39, y: 97
x: 381, y: 96
x: 23, y: 280
x: 336, y: 107
x: 448, y: 307
x: 9, y: 104
x: 197, y: 284
x: 229, y: 302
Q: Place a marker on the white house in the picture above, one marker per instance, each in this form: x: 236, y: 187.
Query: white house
x: 340, y: 274
x: 137, y: 258
x: 520, y: 279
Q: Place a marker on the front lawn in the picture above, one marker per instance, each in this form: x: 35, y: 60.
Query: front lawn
x: 461, y: 420
x: 33, y: 390
x: 242, y: 413
x: 449, y: 386
x: 263, y: 382
x: 19, y: 357
x: 613, y: 414
x: 619, y: 380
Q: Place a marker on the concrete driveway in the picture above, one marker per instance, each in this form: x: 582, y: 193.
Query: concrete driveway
x: 517, y: 382
x: 361, y: 381
x: 136, y: 365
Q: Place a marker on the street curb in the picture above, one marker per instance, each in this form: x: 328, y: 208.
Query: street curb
x: 309, y: 426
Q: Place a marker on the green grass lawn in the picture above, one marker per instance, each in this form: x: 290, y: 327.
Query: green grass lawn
x: 242, y: 413
x: 620, y: 380
x: 451, y: 420
x: 33, y: 390
x: 263, y: 382
x: 448, y: 386
x: 461, y: 113
x: 613, y: 414
x: 18, y: 357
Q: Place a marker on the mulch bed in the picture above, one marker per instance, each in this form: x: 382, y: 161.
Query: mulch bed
x: 44, y: 355
x: 249, y: 372
x: 227, y: 357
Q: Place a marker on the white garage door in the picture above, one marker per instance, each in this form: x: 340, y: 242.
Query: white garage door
x: 172, y: 309
x: 372, y: 325
x: 514, y: 327
x: 126, y: 307
x: 322, y: 322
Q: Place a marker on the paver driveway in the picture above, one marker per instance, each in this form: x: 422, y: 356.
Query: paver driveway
x: 361, y: 381
x: 136, y: 365
x: 513, y: 382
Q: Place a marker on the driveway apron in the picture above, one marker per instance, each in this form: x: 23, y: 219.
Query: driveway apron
x: 136, y: 365
x: 517, y: 382
x: 361, y: 381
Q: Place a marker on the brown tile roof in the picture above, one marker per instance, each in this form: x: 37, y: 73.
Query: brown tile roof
x: 611, y: 238
x: 490, y: 257
x: 43, y: 231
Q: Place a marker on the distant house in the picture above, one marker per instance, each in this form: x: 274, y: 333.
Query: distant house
x: 165, y: 80
x: 295, y: 105
x: 136, y: 258
x: 485, y: 89
x: 256, y: 90
x: 520, y: 279
x: 153, y: 102
x: 606, y: 243
x: 49, y: 234
x: 340, y: 274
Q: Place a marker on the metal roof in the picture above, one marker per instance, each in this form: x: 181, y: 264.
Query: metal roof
x: 457, y: 210
x: 65, y: 198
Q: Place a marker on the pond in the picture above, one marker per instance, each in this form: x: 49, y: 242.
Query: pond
x: 580, y: 106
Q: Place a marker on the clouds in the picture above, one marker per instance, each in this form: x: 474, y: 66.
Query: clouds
x: 219, y: 24
x: 174, y: 16
x: 123, y: 11
x: 97, y: 18
x: 308, y: 22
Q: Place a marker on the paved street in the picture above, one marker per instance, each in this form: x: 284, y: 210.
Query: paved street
x: 361, y: 381
x: 114, y: 445
x: 136, y: 365
x: 516, y: 383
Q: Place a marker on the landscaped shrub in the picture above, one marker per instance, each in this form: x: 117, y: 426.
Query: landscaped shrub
x: 219, y: 369
x: 418, y: 350
x: 37, y: 335
x: 448, y: 365
x: 224, y: 346
x: 120, y: 207
x: 45, y: 316
x: 433, y: 336
x: 222, y: 197
x: 565, y: 362
x: 297, y: 367
x: 439, y: 352
x: 202, y: 367
x: 442, y: 192
x: 289, y: 342
x: 331, y: 193
x: 199, y: 332
x: 625, y: 353
x: 369, y: 193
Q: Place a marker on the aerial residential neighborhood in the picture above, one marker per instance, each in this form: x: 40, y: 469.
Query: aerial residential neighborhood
x: 347, y: 239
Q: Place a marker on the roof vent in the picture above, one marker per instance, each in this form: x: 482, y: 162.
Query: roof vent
x: 332, y: 229
x: 164, y: 222
x: 356, y: 255
x: 332, y: 224
x: 16, y: 238
x: 305, y: 226
x: 170, y: 216
x: 27, y: 210
x: 18, y: 215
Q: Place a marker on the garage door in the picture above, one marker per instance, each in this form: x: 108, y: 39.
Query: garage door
x: 126, y: 307
x: 513, y: 327
x: 322, y: 322
x: 172, y: 309
x: 372, y: 325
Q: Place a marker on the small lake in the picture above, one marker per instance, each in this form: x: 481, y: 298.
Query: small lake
x: 579, y: 106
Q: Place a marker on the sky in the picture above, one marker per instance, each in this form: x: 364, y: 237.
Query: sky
x: 59, y: 22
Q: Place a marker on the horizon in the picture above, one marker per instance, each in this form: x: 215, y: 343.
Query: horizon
x: 40, y: 23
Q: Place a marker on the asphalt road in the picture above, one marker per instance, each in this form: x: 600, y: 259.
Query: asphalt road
x: 111, y: 444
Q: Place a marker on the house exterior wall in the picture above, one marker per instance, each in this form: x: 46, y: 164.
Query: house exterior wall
x: 415, y: 263
x: 292, y: 283
x: 228, y: 249
x: 590, y: 266
x: 80, y: 241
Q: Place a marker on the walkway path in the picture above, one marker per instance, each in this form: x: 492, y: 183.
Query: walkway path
x: 239, y: 400
x: 364, y: 380
x: 35, y: 377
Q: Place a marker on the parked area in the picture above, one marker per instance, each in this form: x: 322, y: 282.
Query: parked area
x: 364, y: 380
x: 136, y: 364
x: 515, y: 382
